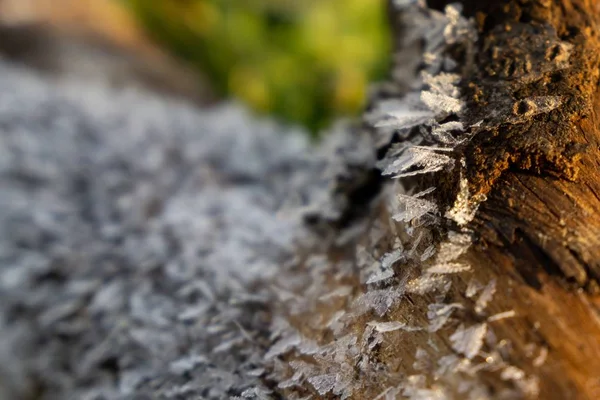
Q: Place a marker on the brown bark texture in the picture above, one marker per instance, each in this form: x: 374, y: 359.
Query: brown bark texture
x: 530, y: 85
x: 540, y: 226
x: 538, y: 232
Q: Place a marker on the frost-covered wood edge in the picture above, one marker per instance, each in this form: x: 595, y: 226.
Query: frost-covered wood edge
x: 478, y: 275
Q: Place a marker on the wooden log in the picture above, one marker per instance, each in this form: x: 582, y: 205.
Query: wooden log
x: 525, y: 294
x: 540, y: 228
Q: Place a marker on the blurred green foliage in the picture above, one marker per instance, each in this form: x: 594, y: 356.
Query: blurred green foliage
x: 306, y: 61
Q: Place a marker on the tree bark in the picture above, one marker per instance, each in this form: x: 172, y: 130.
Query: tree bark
x: 539, y: 230
x: 540, y: 226
x: 533, y: 164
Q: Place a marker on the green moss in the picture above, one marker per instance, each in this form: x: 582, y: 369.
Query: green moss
x: 305, y: 61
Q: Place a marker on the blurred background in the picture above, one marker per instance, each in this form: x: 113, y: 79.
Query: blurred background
x: 304, y: 62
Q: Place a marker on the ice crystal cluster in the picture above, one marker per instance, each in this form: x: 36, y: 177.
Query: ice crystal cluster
x: 400, y: 256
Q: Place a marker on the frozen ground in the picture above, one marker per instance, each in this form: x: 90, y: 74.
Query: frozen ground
x: 136, y: 238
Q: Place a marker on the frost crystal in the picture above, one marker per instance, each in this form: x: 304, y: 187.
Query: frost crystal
x: 512, y: 373
x: 187, y: 364
x: 341, y: 291
x: 439, y: 314
x: 453, y: 248
x: 389, y: 259
x: 485, y: 297
x: 428, y: 253
x: 541, y: 358
x: 405, y: 119
x: 441, y: 103
x: 323, y: 383
x: 502, y: 315
x: 417, y: 160
x: 448, y: 268
x: 415, y: 207
x: 464, y: 208
x: 472, y: 288
x: 468, y: 341
x: 385, y: 268
x: 283, y: 345
x: 381, y: 275
x: 383, y: 327
x: 379, y: 301
x: 415, y: 389
x: 426, y: 284
x: 443, y: 83
x: 443, y: 132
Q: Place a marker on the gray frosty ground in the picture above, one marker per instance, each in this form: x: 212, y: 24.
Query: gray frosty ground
x: 136, y: 237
